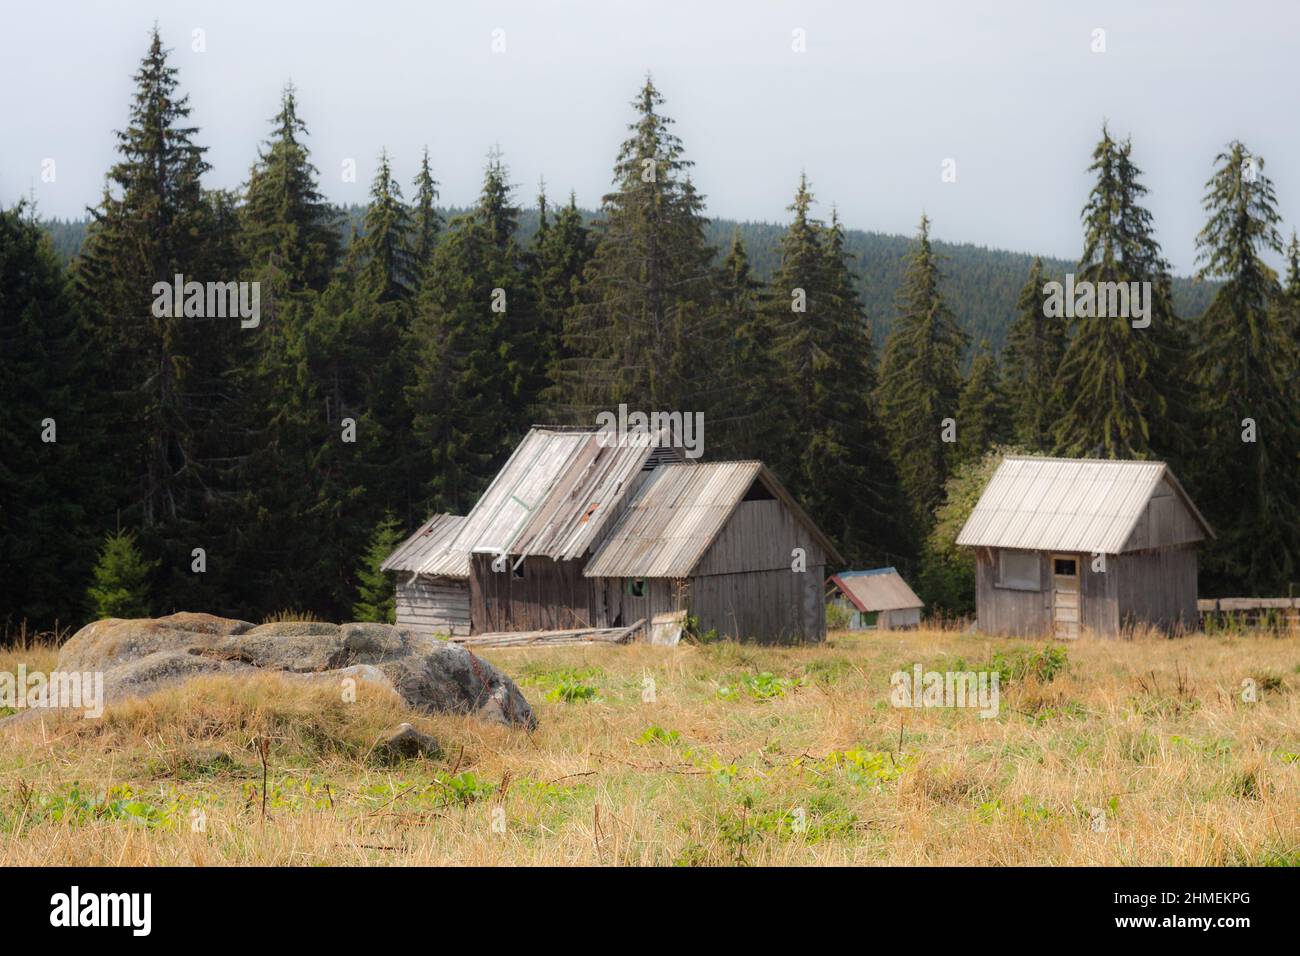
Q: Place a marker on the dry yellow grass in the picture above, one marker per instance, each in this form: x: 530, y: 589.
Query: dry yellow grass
x: 1152, y: 733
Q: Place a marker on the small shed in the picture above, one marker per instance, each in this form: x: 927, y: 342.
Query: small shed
x: 432, y: 579
x: 1064, y: 545
x: 878, y: 598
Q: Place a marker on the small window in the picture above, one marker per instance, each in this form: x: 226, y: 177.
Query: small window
x: 519, y: 569
x: 1066, y: 567
x: 1018, y: 570
x: 636, y: 587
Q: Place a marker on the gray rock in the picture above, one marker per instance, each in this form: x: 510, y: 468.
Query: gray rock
x: 404, y: 742
x: 139, y: 657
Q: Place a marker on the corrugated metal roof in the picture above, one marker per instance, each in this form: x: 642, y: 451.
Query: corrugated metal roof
x: 555, y: 495
x: 881, y: 589
x: 674, y: 519
x: 428, y: 547
x: 677, y: 515
x: 1065, y: 504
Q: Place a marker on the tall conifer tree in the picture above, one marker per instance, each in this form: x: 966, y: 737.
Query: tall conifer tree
x: 920, y: 381
x: 385, y: 257
x: 50, y: 498
x: 1117, y: 383
x: 982, y: 419
x: 288, y: 227
x: 829, y: 448
x: 1035, y: 345
x: 471, y: 342
x: 166, y: 382
x: 426, y: 221
x: 646, y: 305
x: 561, y: 250
x: 1247, y: 371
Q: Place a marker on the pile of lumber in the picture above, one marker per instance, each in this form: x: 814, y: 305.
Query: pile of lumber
x: 582, y: 635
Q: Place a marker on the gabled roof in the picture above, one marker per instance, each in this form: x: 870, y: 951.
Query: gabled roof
x: 881, y: 589
x: 426, y: 551
x: 555, y: 495
x: 1068, y: 504
x: 677, y: 515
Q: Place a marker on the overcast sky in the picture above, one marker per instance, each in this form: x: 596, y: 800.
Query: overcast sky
x: 883, y: 94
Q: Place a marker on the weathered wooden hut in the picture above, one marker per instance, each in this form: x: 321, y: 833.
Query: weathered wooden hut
x: 1062, y: 545
x: 875, y: 599
x: 578, y: 531
x: 726, y: 542
x: 432, y: 579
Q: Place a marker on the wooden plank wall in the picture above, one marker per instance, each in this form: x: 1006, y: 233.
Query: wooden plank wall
x: 745, y: 586
x: 1007, y: 611
x: 1165, y: 522
x: 765, y: 606
x: 759, y: 536
x: 1158, y: 587
x: 1099, y: 591
x: 903, y: 617
x: 551, y: 595
x: 620, y: 607
x: 431, y: 606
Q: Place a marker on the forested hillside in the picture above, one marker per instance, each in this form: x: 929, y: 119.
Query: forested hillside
x: 983, y: 283
x: 164, y: 452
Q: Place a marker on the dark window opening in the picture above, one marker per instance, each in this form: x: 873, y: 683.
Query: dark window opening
x: 1066, y: 567
x: 636, y: 587
x: 758, y: 492
x: 519, y: 570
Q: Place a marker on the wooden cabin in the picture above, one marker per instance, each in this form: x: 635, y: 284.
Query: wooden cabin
x: 1067, y: 545
x: 724, y: 541
x: 876, y: 599
x: 432, y: 579
x: 578, y: 531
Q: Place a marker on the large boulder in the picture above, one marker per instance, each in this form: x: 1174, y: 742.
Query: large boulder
x: 138, y: 657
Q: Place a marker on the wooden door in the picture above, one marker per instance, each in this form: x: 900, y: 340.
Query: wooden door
x: 1066, y: 596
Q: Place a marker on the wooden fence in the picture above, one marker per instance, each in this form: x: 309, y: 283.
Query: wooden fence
x: 1265, y: 613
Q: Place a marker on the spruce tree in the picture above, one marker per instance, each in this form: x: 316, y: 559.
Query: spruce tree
x: 646, y: 313
x: 387, y: 266
x: 1035, y: 346
x: 562, y: 248
x: 49, y: 475
x: 1247, y: 371
x: 982, y: 419
x: 166, y: 384
x: 827, y: 444
x: 289, y: 231
x: 472, y: 353
x: 920, y: 381
x: 147, y: 229
x: 426, y: 222
x: 1116, y: 382
x: 376, y: 589
x: 754, y: 426
x: 1290, y: 304
x: 121, y: 579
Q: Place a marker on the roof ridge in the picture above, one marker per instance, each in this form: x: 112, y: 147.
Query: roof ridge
x: 1100, y: 461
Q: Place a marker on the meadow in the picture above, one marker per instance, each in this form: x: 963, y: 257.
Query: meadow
x: 1143, y: 751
